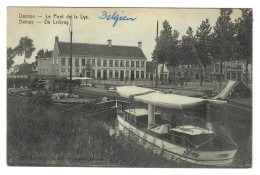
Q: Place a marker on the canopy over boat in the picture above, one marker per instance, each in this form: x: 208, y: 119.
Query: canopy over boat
x: 169, y: 100
x: 127, y: 91
x: 156, y: 98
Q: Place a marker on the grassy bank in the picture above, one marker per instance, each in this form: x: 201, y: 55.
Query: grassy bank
x: 39, y: 135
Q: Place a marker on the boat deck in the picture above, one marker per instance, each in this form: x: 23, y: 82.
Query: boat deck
x: 218, y: 142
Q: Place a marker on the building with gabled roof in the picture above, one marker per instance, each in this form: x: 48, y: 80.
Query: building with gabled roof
x: 151, y: 71
x: 101, y: 61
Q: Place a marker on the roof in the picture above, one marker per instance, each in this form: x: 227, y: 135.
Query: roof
x: 127, y: 91
x: 150, y: 67
x: 169, y: 100
x: 25, y: 69
x: 157, y: 98
x: 100, y: 50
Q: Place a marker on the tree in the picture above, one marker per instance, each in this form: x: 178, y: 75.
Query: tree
x: 187, y: 56
x: 43, y: 54
x: 202, y: 47
x: 47, y: 54
x: 10, y: 56
x: 40, y: 54
x: 25, y: 47
x: 167, y: 46
x: 243, y: 27
x: 223, y: 39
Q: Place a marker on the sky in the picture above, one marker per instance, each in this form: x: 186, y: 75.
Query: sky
x: 92, y: 29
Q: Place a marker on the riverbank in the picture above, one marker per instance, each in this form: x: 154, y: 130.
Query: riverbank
x: 40, y: 136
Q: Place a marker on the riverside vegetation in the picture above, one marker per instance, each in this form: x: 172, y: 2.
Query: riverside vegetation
x: 38, y: 134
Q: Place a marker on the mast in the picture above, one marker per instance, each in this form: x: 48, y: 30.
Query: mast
x: 156, y: 74
x: 70, y: 54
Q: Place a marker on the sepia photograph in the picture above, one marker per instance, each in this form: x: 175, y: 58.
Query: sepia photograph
x: 129, y: 87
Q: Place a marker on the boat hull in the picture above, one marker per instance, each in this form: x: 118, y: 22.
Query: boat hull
x: 173, y: 152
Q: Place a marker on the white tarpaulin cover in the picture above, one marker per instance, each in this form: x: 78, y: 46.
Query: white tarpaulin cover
x: 163, y: 129
x: 225, y: 92
x: 229, y: 88
x: 127, y: 91
x: 169, y: 100
x: 164, y: 100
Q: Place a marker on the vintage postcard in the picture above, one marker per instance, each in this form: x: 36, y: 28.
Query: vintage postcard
x: 129, y: 87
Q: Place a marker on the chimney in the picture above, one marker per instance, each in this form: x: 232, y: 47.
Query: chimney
x: 56, y: 39
x: 109, y: 42
x: 140, y: 45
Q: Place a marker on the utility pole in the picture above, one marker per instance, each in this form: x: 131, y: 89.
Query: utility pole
x: 70, y: 54
x: 156, y: 74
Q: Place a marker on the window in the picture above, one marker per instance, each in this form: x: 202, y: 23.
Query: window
x: 58, y: 61
x: 111, y: 73
x: 116, y: 63
x: 137, y: 74
x: 233, y: 76
x: 122, y: 63
x: 83, y: 62
x: 116, y: 74
x: 93, y: 62
x: 99, y: 63
x: 110, y: 63
x: 239, y: 66
x: 165, y: 75
x: 127, y: 64
x: 127, y: 73
x: 137, y: 63
x: 179, y: 74
x: 228, y: 76
x: 63, y: 62
x: 88, y: 61
x: 151, y: 76
x: 53, y: 61
x: 93, y: 73
x: 142, y: 63
x: 99, y: 73
x: 132, y: 63
x: 76, y: 61
x: 142, y: 74
x: 238, y: 76
x: 83, y: 71
x: 104, y: 63
x: 69, y: 61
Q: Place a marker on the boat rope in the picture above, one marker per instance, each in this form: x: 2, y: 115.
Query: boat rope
x: 209, y: 140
